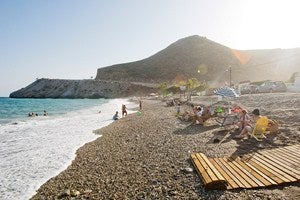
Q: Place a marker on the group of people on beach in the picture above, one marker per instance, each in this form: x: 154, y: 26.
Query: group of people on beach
x: 198, y: 115
x: 124, y: 111
x: 245, y: 122
x: 36, y: 114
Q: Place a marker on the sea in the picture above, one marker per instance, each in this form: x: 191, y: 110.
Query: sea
x: 34, y: 149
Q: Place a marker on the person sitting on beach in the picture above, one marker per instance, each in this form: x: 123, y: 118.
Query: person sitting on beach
x: 249, y: 127
x: 244, y: 120
x: 116, y: 116
x: 124, y: 111
x: 202, y: 115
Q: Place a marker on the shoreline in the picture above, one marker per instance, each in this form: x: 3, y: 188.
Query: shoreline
x: 37, y: 149
x: 148, y: 156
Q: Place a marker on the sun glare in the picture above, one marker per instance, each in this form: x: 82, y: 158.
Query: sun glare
x: 271, y: 24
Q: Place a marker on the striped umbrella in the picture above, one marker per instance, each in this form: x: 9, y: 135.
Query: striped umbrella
x: 226, y: 92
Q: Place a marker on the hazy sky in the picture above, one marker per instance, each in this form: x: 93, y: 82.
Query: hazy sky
x: 72, y: 38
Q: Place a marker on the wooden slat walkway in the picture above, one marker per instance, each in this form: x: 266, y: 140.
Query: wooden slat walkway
x: 260, y: 169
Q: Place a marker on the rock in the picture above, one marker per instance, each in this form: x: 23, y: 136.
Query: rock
x: 74, y: 193
x: 87, y: 191
x: 187, y: 170
x: 65, y: 194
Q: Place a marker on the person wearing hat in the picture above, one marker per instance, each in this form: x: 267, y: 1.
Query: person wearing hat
x: 249, y: 127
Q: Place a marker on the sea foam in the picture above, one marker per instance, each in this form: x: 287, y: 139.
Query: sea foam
x: 36, y: 149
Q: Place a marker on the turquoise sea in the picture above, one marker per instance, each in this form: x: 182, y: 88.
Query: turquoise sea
x: 34, y: 149
x: 18, y: 109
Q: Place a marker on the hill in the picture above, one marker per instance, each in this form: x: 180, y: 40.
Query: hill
x: 191, y: 57
x: 204, y: 59
x: 60, y: 88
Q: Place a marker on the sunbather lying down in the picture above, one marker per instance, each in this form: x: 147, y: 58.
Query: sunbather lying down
x: 201, y: 116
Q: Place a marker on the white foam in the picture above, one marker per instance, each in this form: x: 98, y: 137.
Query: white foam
x: 34, y: 150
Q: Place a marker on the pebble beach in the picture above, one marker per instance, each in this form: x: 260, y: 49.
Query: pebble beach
x: 147, y: 155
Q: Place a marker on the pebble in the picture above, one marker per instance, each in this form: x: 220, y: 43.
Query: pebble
x: 134, y: 161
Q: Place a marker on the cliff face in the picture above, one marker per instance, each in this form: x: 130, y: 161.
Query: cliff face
x: 58, y: 88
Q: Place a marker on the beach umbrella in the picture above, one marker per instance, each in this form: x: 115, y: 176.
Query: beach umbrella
x: 226, y: 92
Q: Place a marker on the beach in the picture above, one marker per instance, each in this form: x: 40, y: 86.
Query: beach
x: 147, y: 155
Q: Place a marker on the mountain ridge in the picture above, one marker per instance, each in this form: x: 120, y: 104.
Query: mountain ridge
x: 190, y: 57
x: 187, y: 56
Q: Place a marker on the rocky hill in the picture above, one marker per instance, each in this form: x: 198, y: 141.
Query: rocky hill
x: 204, y: 59
x: 191, y: 57
x: 58, y: 88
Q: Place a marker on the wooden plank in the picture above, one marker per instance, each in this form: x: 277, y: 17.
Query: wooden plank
x: 211, y: 166
x: 285, y: 153
x: 206, y: 167
x: 292, y: 151
x: 285, y: 171
x: 283, y: 176
x: 258, y: 170
x: 235, y: 172
x: 280, y: 157
x: 207, y: 175
x: 201, y: 171
x: 265, y: 170
x: 296, y: 173
x: 244, y: 173
x: 284, y: 160
x: 260, y: 180
x: 288, y: 155
x: 220, y: 163
x: 231, y: 183
x: 295, y: 148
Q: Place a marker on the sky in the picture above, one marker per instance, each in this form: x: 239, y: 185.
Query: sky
x: 71, y: 39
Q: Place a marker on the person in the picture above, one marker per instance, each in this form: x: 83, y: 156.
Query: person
x: 204, y: 116
x: 249, y: 127
x: 116, y: 116
x: 244, y: 120
x: 124, y: 111
x: 45, y: 113
x: 140, y: 101
x: 198, y: 115
x: 188, y: 115
x: 178, y: 109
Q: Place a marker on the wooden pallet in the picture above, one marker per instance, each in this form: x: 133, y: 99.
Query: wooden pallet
x: 260, y: 169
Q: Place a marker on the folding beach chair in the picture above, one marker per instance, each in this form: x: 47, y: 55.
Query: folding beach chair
x: 260, y: 128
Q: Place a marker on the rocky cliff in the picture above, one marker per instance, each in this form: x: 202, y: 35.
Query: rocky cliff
x: 58, y: 88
